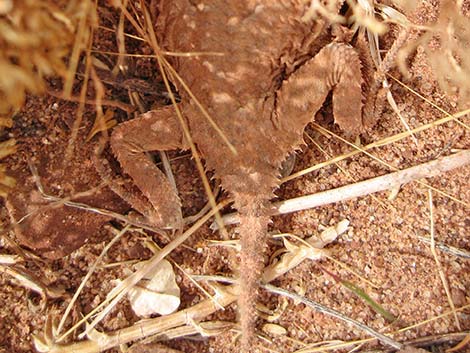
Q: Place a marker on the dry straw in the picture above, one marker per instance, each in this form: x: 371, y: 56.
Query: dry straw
x: 38, y: 39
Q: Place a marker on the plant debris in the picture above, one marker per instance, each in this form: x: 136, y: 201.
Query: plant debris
x: 156, y: 293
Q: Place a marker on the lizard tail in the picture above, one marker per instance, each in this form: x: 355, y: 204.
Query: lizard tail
x: 253, y: 235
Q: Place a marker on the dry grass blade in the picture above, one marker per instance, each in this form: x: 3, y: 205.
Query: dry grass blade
x: 352, y: 272
x: 35, y: 39
x: 391, y: 101
x: 121, y: 43
x: 448, y: 249
x: 102, y: 122
x: 424, y: 322
x: 84, y: 34
x: 331, y: 312
x: 81, y: 106
x: 442, y: 276
x: 9, y: 259
x: 205, y: 329
x: 7, y: 147
x: 162, y: 52
x: 424, y: 341
x: 106, y: 102
x: 32, y: 282
x: 363, y: 15
x: 454, y: 117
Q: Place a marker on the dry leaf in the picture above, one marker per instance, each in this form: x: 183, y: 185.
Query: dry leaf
x: 313, y: 250
x: 272, y: 315
x: 293, y: 256
x: 156, y: 293
x: 102, y: 122
x: 329, y: 234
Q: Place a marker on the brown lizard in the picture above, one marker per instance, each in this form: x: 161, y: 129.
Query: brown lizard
x: 275, y: 73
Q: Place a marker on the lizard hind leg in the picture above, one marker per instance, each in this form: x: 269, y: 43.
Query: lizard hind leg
x: 155, y: 130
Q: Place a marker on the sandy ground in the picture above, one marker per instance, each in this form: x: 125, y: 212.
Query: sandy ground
x: 382, y: 243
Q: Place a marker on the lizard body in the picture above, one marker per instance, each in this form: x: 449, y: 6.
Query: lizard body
x: 275, y: 73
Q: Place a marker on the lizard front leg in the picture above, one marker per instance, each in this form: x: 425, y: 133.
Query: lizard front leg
x: 155, y: 130
x: 337, y: 68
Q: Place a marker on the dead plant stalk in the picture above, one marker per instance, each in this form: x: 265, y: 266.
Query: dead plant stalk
x: 381, y: 183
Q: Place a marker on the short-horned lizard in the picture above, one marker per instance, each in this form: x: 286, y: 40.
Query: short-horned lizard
x: 276, y: 70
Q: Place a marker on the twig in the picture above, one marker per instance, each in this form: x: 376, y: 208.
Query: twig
x: 428, y: 341
x: 420, y: 342
x: 144, y: 328
x: 385, y: 182
x: 123, y: 106
x: 318, y: 307
x: 331, y: 312
x: 32, y: 282
x: 448, y: 249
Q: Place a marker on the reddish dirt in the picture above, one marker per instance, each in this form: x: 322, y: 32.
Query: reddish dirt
x: 56, y: 230
x: 381, y: 244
